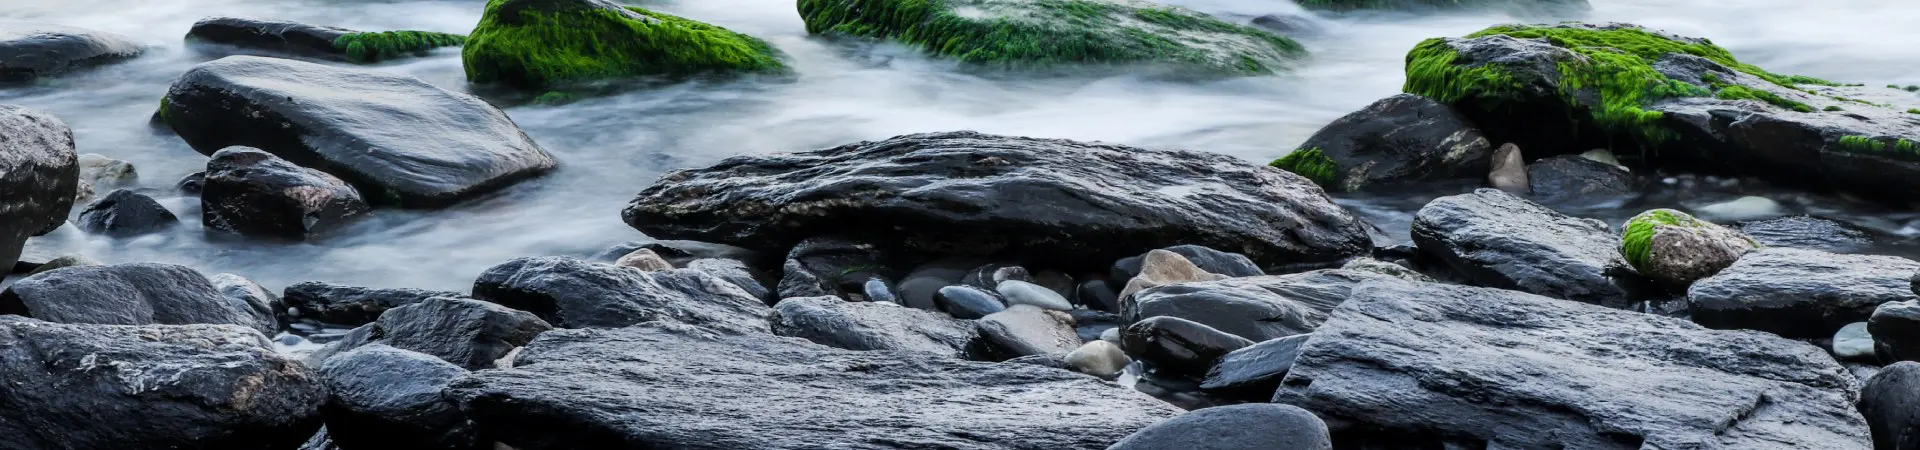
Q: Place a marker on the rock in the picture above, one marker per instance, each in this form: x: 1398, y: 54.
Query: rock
x: 1254, y: 371
x: 796, y: 281
x: 1743, y: 208
x: 1895, y: 328
x: 1289, y: 24
x: 834, y: 322
x: 1023, y: 330
x: 1376, y: 266
x: 319, y: 441
x: 1178, y: 347
x: 1498, y: 240
x: 1207, y: 259
x: 471, y: 334
x: 1485, y: 363
x: 266, y: 309
x: 30, y: 51
x: 63, y: 261
x: 1509, y: 171
x: 351, y: 305
x: 1516, y: 7
x: 536, y: 45
x: 682, y: 253
x: 279, y: 37
x: 397, y: 139
x: 99, y: 171
x: 192, y: 184
x: 384, y: 397
x: 734, y: 272
x: 1808, y: 232
x: 920, y: 285
x: 1674, y: 248
x: 1098, y: 358
x: 841, y: 266
x: 154, y: 386
x: 1160, y: 268
x: 976, y: 194
x: 126, y: 213
x: 1018, y: 292
x: 1090, y: 324
x: 1058, y: 282
x: 254, y: 193
x: 665, y: 385
x: 1255, y: 308
x: 645, y: 260
x: 1569, y: 179
x: 1099, y: 296
x: 1401, y: 139
x: 1890, y: 401
x: 967, y: 302
x: 126, y: 294
x: 991, y: 275
x: 571, y: 293
x: 1235, y: 427
x: 876, y: 290
x: 1853, y: 343
x: 41, y: 176
x: 1601, y: 155
x: 1047, y: 361
x: 1101, y: 34
x: 1799, y: 293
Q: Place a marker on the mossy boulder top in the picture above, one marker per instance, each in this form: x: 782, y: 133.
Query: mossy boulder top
x: 1675, y: 248
x: 1671, y: 102
x: 1051, y: 33
x: 1523, y: 7
x: 539, y: 44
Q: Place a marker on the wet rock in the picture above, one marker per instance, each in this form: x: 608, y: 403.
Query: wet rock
x: 1090, y: 324
x: 967, y: 302
x: 41, y: 176
x: 796, y: 281
x: 570, y: 293
x: 1799, y: 293
x: 260, y: 303
x: 1672, y: 247
x: 64, y: 261
x: 1602, y: 156
x: 384, y: 397
x: 192, y: 184
x: 1518, y: 8
x: 645, y: 260
x: 1853, y: 343
x: 680, y: 253
x: 30, y: 51
x: 1017, y: 292
x: 606, y: 43
x: 1235, y: 427
x: 1207, y: 259
x: 876, y: 290
x: 1895, y: 327
x: 1402, y: 139
x: 990, y: 276
x: 1099, y: 296
x: 1178, y: 347
x: 100, y: 172
x: 1102, y: 202
x: 468, y: 333
x: 126, y: 294
x: 1569, y: 179
x: 1743, y: 208
x: 1256, y: 308
x: 1159, y: 268
x: 125, y: 213
x: 1098, y: 358
x: 153, y: 386
x: 670, y: 385
x: 918, y: 288
x: 1890, y: 401
x: 253, y: 193
x: 1498, y: 240
x: 1254, y: 372
x: 1023, y: 330
x: 397, y: 139
x: 842, y: 265
x: 1058, y: 282
x: 285, y: 38
x: 734, y: 272
x: 1288, y: 24
x: 1376, y: 266
x: 834, y: 322
x: 1808, y: 232
x: 1482, y: 363
x: 320, y: 441
x: 351, y: 305
x: 1509, y: 171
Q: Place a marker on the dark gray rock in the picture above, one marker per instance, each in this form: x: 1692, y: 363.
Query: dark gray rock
x: 919, y: 286
x: 1255, y: 371
x: 1895, y: 327
x: 1491, y: 368
x: 1256, y: 308
x: 126, y: 294
x: 1574, y: 180
x: 471, y: 334
x: 126, y: 213
x: 834, y: 322
x: 682, y: 253
x: 41, y: 178
x: 155, y: 386
x: 1400, y: 140
x: 399, y: 140
x: 192, y: 184
x: 272, y: 36
x: 1173, y: 346
x: 1040, y: 201
x: 384, y: 397
x: 666, y: 385
x: 1890, y: 401
x: 797, y: 281
x: 735, y: 272
x: 1289, y: 24
x: 1518, y: 8
x: 1235, y: 427
x: 351, y: 305
x: 1210, y: 260
x: 254, y: 193
x: 989, y: 276
x: 1498, y: 240
x: 1023, y: 330
x: 1808, y: 232
x: 571, y: 293
x: 842, y: 265
x: 1099, y: 296
x: 1799, y: 293
x: 967, y: 302
x: 260, y: 303
x: 29, y: 51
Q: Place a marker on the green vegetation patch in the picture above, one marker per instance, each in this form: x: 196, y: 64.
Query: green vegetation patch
x: 1312, y: 164
x: 536, y: 44
x: 1901, y: 148
x: 385, y: 45
x: 1052, y: 33
x: 1352, y: 5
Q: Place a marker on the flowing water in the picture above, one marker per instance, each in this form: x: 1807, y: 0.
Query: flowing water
x: 612, y: 147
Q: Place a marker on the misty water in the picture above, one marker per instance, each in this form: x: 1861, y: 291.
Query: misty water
x: 610, y: 148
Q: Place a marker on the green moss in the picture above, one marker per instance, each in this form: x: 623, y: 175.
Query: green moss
x: 1831, y: 108
x: 1898, y: 148
x: 1312, y: 164
x: 385, y: 45
x: 535, y: 49
x: 1913, y: 110
x: 555, y: 98
x: 1636, y: 241
x: 1525, y: 5
x: 165, y: 116
x: 1054, y: 33
x: 1912, y: 88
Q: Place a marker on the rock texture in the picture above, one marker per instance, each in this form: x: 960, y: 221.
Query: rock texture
x: 1256, y: 308
x: 1895, y: 327
x: 1236, y: 427
x: 125, y: 213
x: 1674, y: 248
x: 351, y: 305
x: 39, y: 173
x: 571, y: 293
x: 383, y: 397
x: 127, y: 294
x: 1398, y: 140
x: 1800, y: 293
x: 254, y: 193
x: 1890, y: 401
x: 1575, y: 180
x: 1498, y: 240
x: 838, y: 323
x: 1809, y: 232
x: 30, y: 51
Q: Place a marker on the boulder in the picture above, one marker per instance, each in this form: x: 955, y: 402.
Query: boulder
x: 384, y: 397
x: 266, y: 308
x: 1177, y: 347
x: 280, y: 37
x: 1674, y: 248
x: 1017, y: 292
x: 1254, y: 372
x: 1498, y: 240
x: 1235, y: 427
x: 570, y: 293
x: 1808, y: 232
x: 1890, y: 401
x: 1098, y: 358
x: 1519, y: 7
x: 471, y: 334
x: 351, y: 305
x: 1576, y: 180
x: 1895, y: 327
x: 100, y: 172
x: 397, y: 139
x: 73, y: 386
x: 1255, y: 308
x: 127, y: 294
x: 967, y: 302
x: 1206, y: 259
x: 1097, y: 295
x: 38, y: 170
x: 833, y: 322
x: 1023, y: 330
x: 1800, y: 293
x: 1160, y: 268
x: 535, y: 45
x: 1464, y: 367
x: 668, y: 385
x: 1401, y: 139
x: 1040, y: 201
x: 645, y: 260
x: 254, y: 193
x: 30, y: 51
x: 125, y: 213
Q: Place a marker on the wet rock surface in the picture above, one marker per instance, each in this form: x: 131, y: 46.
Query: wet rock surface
x: 127, y: 294
x: 1235, y: 427
x: 1569, y: 179
x: 1255, y: 308
x: 29, y: 51
x: 570, y: 293
x: 1890, y: 401
x: 126, y: 213
x: 1255, y: 371
x: 1401, y: 139
x: 1895, y: 329
x: 1023, y: 330
x: 838, y: 323
x: 1800, y: 293
x: 1808, y: 232
x: 41, y: 177
x: 351, y: 305
x: 267, y: 35
x: 1498, y: 240
x: 383, y: 397
x: 253, y: 193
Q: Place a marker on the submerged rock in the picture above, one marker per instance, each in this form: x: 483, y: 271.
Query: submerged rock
x: 30, y: 51
x: 40, y: 180
x: 540, y: 44
x: 315, y: 41
x: 972, y: 193
x: 1235, y: 427
x: 1800, y: 293
x: 1400, y: 139
x: 127, y: 294
x: 1499, y: 240
x: 571, y: 293
x: 1674, y: 248
x: 834, y: 322
x: 351, y: 305
x: 126, y: 213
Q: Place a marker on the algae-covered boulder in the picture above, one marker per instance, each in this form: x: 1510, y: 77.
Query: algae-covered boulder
x: 280, y: 37
x: 1675, y: 248
x: 537, y: 44
x: 1048, y: 33
x: 1682, y: 103
x: 1523, y: 7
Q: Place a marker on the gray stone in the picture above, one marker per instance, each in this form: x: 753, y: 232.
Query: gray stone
x: 1401, y: 139
x: 124, y: 213
x: 265, y: 307
x: 1674, y: 248
x: 1853, y: 343
x: 838, y: 323
x: 1799, y: 293
x: 1895, y: 327
x: 126, y: 294
x: 1253, y: 372
x: 1176, y: 347
x: 1099, y: 358
x: 1256, y: 308
x: 1017, y: 292
x: 1890, y: 401
x: 1255, y: 426
x: 1808, y: 232
x: 571, y: 293
x: 736, y: 272
x: 1160, y: 268
x: 644, y: 259
x: 1509, y: 171
x: 30, y: 51
x: 384, y: 397
x: 254, y: 193
x: 41, y: 176
x: 471, y: 334
x: 1575, y: 180
x: 351, y: 305
x: 1498, y: 240
x: 1023, y: 330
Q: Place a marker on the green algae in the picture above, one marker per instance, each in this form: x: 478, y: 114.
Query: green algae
x: 372, y: 47
x: 536, y: 49
x: 1900, y: 148
x: 1523, y: 5
x: 1636, y: 240
x: 1312, y: 164
x: 1832, y: 108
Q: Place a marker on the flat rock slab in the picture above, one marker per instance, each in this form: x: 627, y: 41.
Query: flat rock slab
x: 1034, y: 200
x: 29, y: 51
x: 1487, y: 368
x: 570, y: 293
x: 1256, y: 308
x: 1800, y: 293
x: 663, y: 385
x: 1498, y: 240
x: 872, y: 326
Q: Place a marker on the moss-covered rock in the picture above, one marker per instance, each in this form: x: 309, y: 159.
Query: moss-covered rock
x: 538, y: 44
x: 1534, y: 7
x: 1053, y: 33
x: 366, y: 47
x: 288, y: 38
x: 1674, y: 248
x: 1400, y: 139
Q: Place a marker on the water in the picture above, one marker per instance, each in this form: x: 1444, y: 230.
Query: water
x: 612, y: 147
